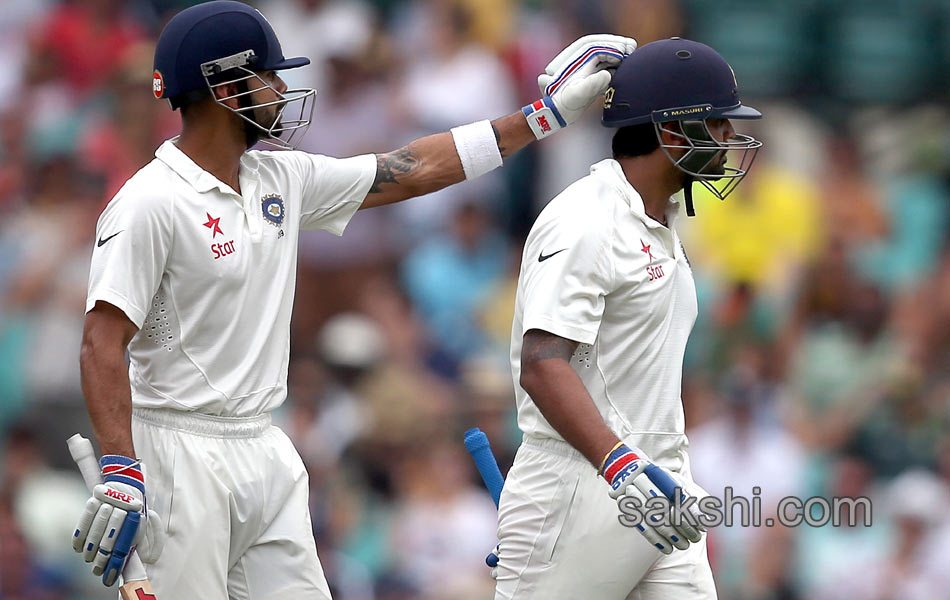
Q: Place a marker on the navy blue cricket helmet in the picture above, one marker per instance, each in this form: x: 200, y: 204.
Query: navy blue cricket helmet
x: 659, y: 80
x: 210, y: 32
x: 687, y: 82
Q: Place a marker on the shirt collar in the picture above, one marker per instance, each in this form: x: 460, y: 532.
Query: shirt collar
x: 611, y: 170
x: 201, y: 180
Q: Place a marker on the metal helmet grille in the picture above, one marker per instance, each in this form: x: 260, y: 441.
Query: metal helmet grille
x: 701, y: 152
x: 297, y: 103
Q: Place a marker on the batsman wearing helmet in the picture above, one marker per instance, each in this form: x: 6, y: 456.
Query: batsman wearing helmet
x: 604, y: 307
x: 193, y: 274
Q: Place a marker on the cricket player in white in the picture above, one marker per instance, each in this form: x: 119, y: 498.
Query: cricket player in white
x: 193, y: 273
x: 604, y: 307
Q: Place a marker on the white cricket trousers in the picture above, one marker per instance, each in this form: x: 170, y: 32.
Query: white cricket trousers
x: 232, y: 494
x: 560, y: 538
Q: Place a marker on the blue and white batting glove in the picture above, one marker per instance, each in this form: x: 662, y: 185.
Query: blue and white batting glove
x: 113, y: 521
x: 571, y: 82
x: 631, y: 475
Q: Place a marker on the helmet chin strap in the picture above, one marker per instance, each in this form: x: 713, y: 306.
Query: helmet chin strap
x: 688, y: 195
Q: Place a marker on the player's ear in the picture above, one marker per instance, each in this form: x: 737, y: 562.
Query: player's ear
x: 225, y: 94
x: 668, y: 131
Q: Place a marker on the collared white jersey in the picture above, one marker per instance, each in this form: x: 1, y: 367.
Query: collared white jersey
x: 208, y: 275
x: 597, y: 270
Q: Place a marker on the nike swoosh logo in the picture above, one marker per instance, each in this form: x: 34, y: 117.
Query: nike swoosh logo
x: 104, y: 240
x: 542, y: 257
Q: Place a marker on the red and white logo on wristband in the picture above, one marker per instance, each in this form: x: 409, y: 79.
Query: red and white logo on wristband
x: 541, y: 119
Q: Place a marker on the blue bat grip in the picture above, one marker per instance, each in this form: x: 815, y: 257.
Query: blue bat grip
x: 477, y: 444
x: 123, y: 545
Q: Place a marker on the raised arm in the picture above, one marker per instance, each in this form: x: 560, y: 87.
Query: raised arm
x: 432, y: 162
x: 570, y: 83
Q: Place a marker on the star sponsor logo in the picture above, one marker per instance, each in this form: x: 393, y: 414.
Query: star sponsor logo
x: 654, y: 272
x: 218, y: 250
x: 644, y: 247
x: 214, y: 225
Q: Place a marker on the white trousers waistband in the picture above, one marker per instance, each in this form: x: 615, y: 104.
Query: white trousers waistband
x: 206, y: 425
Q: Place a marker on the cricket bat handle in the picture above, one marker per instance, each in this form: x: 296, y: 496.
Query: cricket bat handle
x: 135, y: 581
x: 476, y: 442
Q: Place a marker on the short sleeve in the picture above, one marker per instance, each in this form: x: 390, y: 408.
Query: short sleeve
x: 333, y: 189
x: 133, y: 239
x: 566, y: 274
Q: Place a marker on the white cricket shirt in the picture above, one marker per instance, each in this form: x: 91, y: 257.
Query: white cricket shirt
x: 597, y: 270
x: 208, y: 275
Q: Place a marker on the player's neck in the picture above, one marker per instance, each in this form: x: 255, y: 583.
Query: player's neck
x: 651, y: 177
x: 215, y: 149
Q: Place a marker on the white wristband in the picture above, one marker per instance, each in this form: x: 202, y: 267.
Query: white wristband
x: 477, y: 148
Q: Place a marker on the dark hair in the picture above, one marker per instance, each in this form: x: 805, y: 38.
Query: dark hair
x: 634, y: 140
x: 185, y: 100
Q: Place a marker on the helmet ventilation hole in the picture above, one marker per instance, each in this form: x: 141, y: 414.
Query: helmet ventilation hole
x: 683, y: 54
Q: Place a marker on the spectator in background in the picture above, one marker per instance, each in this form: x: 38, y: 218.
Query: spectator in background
x: 916, y: 504
x: 842, y: 367
x: 20, y: 577
x: 751, y: 438
x: 764, y: 235
x: 43, y: 296
x: 122, y: 136
x: 449, y: 276
x: 442, y: 524
x: 455, y: 80
x: 826, y: 555
x: 83, y: 43
x: 327, y: 413
x: 320, y: 29
x: 33, y: 503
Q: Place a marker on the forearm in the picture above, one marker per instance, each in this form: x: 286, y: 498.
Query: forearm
x: 561, y: 397
x: 105, y: 385
x: 431, y: 163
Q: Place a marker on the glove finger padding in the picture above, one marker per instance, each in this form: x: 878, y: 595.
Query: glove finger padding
x: 660, y: 523
x: 588, y: 88
x: 85, y: 522
x: 122, y: 549
x: 98, y: 527
x: 644, y: 527
x: 582, y: 46
x: 113, y: 527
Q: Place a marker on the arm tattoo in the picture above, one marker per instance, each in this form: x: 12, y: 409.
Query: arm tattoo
x: 501, y: 149
x: 390, y: 167
x: 539, y: 345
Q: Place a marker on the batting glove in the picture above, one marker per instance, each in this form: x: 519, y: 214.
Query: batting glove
x: 571, y: 82
x: 112, y: 523
x: 630, y: 475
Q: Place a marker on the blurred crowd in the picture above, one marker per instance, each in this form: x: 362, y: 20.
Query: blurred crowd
x: 819, y: 366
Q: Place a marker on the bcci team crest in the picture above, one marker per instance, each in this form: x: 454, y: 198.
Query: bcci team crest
x: 273, y: 207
